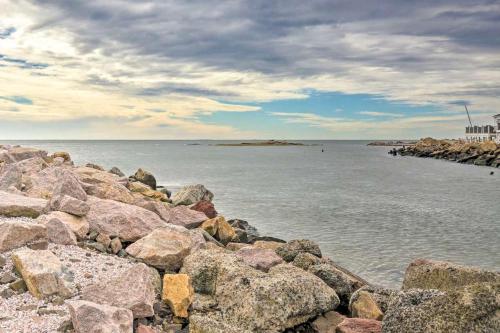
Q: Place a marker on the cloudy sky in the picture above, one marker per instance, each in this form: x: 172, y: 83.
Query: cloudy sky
x: 160, y: 69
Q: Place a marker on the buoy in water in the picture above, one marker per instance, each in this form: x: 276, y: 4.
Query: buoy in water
x: 492, y: 172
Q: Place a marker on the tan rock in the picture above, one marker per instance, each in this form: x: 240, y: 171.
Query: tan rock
x: 135, y: 289
x: 210, y: 226
x: 103, y: 239
x: 165, y: 248
x: 225, y: 233
x: 145, y: 329
x: 117, y: 219
x: 236, y: 246
x: 116, y: 245
x: 445, y: 276
x: 366, y: 307
x: 328, y: 322
x: 79, y: 225
x: 58, y: 232
x: 14, y: 234
x: 89, y: 317
x: 14, y: 205
x: 267, y: 245
x: 43, y: 273
x: 178, y: 293
x: 64, y: 155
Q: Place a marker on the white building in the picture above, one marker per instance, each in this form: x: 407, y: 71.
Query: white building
x: 484, y: 133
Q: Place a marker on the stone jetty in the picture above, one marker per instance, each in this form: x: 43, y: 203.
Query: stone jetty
x: 478, y: 153
x: 87, y: 250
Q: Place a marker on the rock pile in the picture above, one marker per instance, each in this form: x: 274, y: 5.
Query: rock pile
x: 477, y: 153
x: 87, y: 250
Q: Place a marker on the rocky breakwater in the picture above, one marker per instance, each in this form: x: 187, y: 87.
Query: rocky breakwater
x: 477, y: 153
x: 86, y: 250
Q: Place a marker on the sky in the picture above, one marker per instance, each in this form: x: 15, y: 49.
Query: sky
x: 160, y: 69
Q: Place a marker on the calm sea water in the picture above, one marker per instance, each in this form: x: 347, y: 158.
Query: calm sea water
x: 370, y: 212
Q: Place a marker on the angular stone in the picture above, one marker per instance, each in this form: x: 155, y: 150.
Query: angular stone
x: 205, y: 207
x: 251, y: 232
x: 23, y: 153
x: 185, y: 217
x: 14, y: 234
x: 43, y: 273
x: 10, y: 175
x: 43, y: 183
x: 13, y: 205
x: 284, y: 297
x: 291, y: 249
x: 261, y: 259
x: 117, y: 219
x: 306, y: 260
x: 178, y: 293
x: 116, y: 245
x: 103, y: 239
x: 210, y: 226
x: 445, y: 276
x: 79, y: 225
x: 135, y: 289
x: 192, y: 194
x: 267, y: 245
x: 165, y: 248
x: 116, y: 171
x: 236, y: 246
x: 381, y: 296
x: 358, y: 325
x: 225, y: 233
x: 68, y: 184
x: 70, y: 205
x: 58, y: 232
x: 145, y: 177
x: 365, y: 307
x: 62, y: 154
x: 89, y: 317
x: 473, y: 308
x: 328, y: 322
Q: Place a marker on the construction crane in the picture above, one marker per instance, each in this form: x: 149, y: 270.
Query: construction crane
x: 468, y: 115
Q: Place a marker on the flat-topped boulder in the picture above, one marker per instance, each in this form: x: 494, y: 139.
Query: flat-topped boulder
x: 23, y: 153
x: 89, y: 317
x: 185, y: 217
x: 14, y: 205
x: 192, y: 194
x: 136, y: 290
x: 261, y: 259
x: 165, y: 248
x: 43, y: 273
x: 117, y: 219
x: 15, y: 233
x: 446, y: 276
x: 79, y: 225
x: 68, y: 204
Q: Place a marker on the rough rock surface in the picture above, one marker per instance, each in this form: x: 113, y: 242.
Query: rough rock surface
x: 135, y: 289
x: 23, y: 153
x: 365, y: 306
x: 178, y: 293
x: 13, y: 205
x: 381, y: 296
x: 14, y: 234
x: 117, y: 219
x: 70, y: 205
x: 43, y: 273
x: 205, y: 207
x: 268, y: 302
x: 473, y: 308
x: 10, y: 175
x: 165, y: 248
x: 291, y: 249
x: 429, y: 274
x: 79, y: 225
x: 192, y: 194
x: 183, y: 216
x: 359, y: 325
x: 328, y: 322
x: 261, y: 259
x: 59, y: 232
x: 68, y: 184
x: 145, y: 177
x: 88, y: 317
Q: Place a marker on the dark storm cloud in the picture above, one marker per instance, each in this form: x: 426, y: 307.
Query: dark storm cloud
x: 291, y: 38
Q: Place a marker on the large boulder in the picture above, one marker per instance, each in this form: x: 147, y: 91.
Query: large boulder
x: 135, y: 289
x: 291, y: 249
x: 192, y: 194
x: 43, y: 183
x: 117, y: 219
x: 14, y: 234
x: 205, y: 207
x: 23, y: 153
x: 89, y: 317
x: 104, y: 185
x: 251, y: 233
x: 219, y: 228
x: 59, y: 232
x: 10, y: 175
x: 14, y: 205
x: 68, y: 184
x: 254, y: 301
x: 473, y: 308
x: 145, y: 177
x: 365, y: 306
x: 165, y: 248
x: 446, y: 276
x: 183, y: 216
x: 79, y: 225
x: 178, y: 293
x: 261, y: 259
x: 43, y: 273
x: 68, y: 204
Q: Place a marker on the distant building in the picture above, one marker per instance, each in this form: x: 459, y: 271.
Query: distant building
x: 484, y: 133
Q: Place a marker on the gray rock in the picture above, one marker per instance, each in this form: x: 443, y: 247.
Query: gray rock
x: 116, y: 171
x: 291, y: 249
x: 305, y: 260
x: 7, y: 277
x: 10, y: 175
x: 473, y: 308
x: 89, y: 317
x: 145, y: 177
x: 192, y: 194
x: 251, y: 233
x: 58, y: 232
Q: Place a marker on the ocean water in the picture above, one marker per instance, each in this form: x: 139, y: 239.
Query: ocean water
x: 370, y: 212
